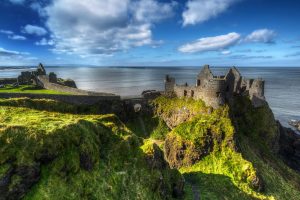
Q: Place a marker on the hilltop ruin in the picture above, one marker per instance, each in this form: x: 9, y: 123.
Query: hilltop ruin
x: 215, y: 91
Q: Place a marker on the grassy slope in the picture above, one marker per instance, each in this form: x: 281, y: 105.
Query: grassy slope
x: 119, y: 172
x: 28, y: 89
x: 226, y: 173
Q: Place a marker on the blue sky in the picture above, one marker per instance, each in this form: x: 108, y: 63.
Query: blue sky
x: 150, y: 32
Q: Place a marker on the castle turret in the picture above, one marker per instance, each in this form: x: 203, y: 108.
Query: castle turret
x: 169, y: 83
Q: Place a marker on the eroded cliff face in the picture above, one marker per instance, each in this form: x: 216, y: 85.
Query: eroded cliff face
x: 239, y: 141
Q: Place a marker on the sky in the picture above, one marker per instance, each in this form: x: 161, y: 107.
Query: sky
x: 150, y: 32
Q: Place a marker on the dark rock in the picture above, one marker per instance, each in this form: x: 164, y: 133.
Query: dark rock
x: 86, y: 162
x: 257, y: 184
x: 18, y: 180
x: 289, y: 147
x: 156, y: 159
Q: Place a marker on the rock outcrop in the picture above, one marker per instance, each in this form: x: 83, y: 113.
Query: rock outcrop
x: 289, y: 147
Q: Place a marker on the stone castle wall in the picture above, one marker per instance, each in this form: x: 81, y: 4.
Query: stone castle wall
x: 4, y: 81
x: 217, y: 90
x: 44, y: 82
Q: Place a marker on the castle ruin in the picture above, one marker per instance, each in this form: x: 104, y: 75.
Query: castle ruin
x: 215, y: 91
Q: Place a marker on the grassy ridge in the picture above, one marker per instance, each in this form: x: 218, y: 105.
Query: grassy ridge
x: 57, y: 142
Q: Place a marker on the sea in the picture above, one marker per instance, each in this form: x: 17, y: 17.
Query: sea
x: 282, y: 84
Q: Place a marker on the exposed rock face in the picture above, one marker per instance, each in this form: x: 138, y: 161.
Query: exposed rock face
x: 180, y: 152
x: 156, y: 160
x: 295, y: 123
x: 289, y: 147
x: 17, y: 181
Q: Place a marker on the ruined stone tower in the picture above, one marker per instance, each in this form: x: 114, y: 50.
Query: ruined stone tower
x: 217, y: 90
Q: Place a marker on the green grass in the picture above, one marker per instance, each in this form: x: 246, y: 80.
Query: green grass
x: 244, y: 142
x: 120, y: 170
x: 28, y: 89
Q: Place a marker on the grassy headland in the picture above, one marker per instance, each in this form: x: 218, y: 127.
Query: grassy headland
x: 75, y: 152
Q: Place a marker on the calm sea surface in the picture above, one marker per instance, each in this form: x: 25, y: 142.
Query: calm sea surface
x: 282, y: 88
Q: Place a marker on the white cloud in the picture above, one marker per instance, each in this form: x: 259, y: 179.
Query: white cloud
x: 12, y: 36
x: 211, y: 43
x: 17, y: 1
x: 17, y: 37
x: 226, y: 52
x: 94, y: 27
x: 45, y: 42
x: 34, y: 30
x: 151, y: 10
x: 6, y: 32
x: 198, y: 11
x: 5, y: 52
x: 261, y: 35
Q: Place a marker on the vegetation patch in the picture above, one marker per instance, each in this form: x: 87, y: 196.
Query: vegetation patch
x: 58, y: 155
x: 28, y: 89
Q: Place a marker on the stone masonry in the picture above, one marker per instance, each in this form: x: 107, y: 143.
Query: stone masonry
x: 217, y: 90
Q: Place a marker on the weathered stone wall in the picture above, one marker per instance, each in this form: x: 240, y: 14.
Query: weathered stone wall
x: 73, y: 99
x: 169, y: 84
x: 8, y: 81
x: 43, y: 81
x: 216, y: 90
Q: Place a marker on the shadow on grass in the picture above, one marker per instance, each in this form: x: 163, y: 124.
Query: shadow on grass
x: 212, y: 186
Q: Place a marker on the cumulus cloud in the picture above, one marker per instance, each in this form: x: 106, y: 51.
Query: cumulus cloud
x: 6, y: 32
x: 12, y: 36
x: 45, y: 42
x: 261, y: 35
x: 93, y: 27
x: 150, y: 10
x: 211, y: 43
x: 17, y: 37
x: 34, y: 30
x: 198, y: 11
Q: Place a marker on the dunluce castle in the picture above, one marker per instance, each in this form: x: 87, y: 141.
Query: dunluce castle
x: 217, y: 90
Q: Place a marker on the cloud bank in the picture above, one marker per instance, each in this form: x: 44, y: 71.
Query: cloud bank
x: 93, y: 27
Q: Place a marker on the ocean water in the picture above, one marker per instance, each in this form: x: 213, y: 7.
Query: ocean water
x: 282, y: 88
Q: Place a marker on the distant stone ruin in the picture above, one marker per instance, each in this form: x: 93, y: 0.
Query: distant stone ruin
x: 50, y: 81
x: 215, y: 91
